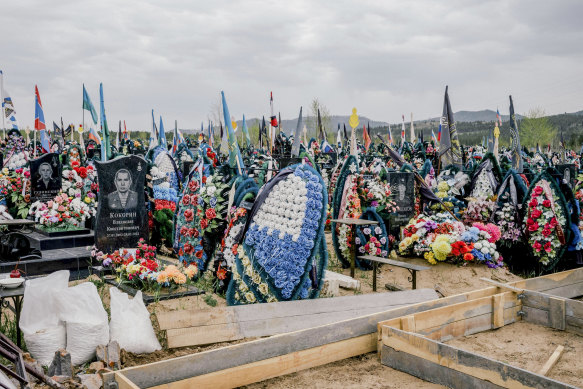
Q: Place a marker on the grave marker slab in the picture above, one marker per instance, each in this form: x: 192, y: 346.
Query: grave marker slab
x: 122, y: 218
x: 45, y: 177
x: 403, y: 188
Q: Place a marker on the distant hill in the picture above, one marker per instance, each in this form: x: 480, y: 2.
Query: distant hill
x: 485, y: 115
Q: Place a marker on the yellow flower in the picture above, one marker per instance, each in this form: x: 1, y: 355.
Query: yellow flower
x: 256, y: 278
x: 162, y: 277
x: 414, y: 237
x: 5, y: 171
x: 87, y: 200
x: 429, y: 257
x: 191, y: 271
x: 442, y: 186
x: 249, y: 296
x: 263, y: 288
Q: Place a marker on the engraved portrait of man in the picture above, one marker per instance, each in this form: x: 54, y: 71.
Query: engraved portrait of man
x: 45, y: 180
x: 123, y: 198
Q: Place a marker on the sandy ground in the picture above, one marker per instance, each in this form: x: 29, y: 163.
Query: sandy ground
x: 529, y: 346
x: 366, y: 370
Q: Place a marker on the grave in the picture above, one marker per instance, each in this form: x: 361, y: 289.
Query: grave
x: 45, y: 177
x: 403, y: 188
x: 122, y: 218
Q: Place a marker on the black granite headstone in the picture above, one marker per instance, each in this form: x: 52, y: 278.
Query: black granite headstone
x: 569, y: 173
x: 122, y: 218
x: 1, y: 160
x: 403, y: 190
x: 45, y: 177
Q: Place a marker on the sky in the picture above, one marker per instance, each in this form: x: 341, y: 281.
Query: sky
x: 386, y: 58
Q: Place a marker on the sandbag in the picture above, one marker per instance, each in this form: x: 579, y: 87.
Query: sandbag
x: 43, y: 330
x: 81, y: 309
x: 130, y: 323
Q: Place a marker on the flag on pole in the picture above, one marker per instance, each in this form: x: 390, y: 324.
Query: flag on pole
x: 153, y: 134
x: 118, y: 139
x: 273, y: 121
x: 412, y: 130
x: 515, y: 137
x: 88, y: 105
x: 433, y: 137
x: 390, y: 136
x: 365, y: 138
x: 339, y: 139
x: 498, y: 117
x: 235, y: 159
x: 162, y: 135
x: 295, y: 151
x: 106, y: 145
x: 449, y: 145
x: 39, y: 123
x: 491, y: 140
x: 176, y: 138
x: 345, y: 136
x: 125, y: 131
x: 93, y: 134
x: 246, y: 133
x: 7, y: 105
x: 403, y: 130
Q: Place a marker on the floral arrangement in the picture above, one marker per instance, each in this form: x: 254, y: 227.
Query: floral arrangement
x: 15, y: 191
x: 544, y: 221
x: 275, y: 260
x: 141, y: 269
x: 451, y: 183
x: 479, y: 209
x: 80, y: 182
x: 372, y: 245
x: 375, y: 193
x: 211, y: 205
x: 352, y: 210
x: 482, y: 187
x: 61, y: 213
x: 509, y: 225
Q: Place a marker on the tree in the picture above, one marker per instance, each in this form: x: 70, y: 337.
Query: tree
x: 312, y: 119
x: 536, y: 128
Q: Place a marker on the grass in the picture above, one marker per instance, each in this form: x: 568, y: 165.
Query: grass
x: 8, y: 327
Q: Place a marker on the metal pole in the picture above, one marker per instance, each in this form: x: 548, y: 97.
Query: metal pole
x: 353, y: 250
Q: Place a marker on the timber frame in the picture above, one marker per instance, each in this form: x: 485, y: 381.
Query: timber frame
x: 403, y: 336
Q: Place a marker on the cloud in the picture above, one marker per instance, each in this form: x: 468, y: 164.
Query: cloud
x: 386, y: 58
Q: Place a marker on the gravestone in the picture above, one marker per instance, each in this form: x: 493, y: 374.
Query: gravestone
x: 122, y: 218
x: 1, y: 160
x: 569, y: 173
x: 45, y: 177
x: 403, y: 190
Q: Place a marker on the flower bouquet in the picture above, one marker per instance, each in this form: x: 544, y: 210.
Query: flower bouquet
x: 63, y: 213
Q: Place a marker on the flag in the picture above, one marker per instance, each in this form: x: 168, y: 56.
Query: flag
x: 118, y: 139
x: 273, y: 121
x: 176, y: 138
x: 562, y: 148
x: 345, y: 136
x: 7, y: 105
x: 433, y: 137
x: 153, y: 134
x: 93, y: 134
x: 162, y: 135
x: 483, y: 141
x: 321, y: 132
x: 412, y: 130
x: 491, y: 140
x: 235, y: 159
x: 246, y: 132
x: 339, y: 139
x: 125, y: 131
x: 39, y: 123
x: 211, y: 134
x: 88, y: 105
x: 449, y: 145
x: 295, y: 151
x: 365, y: 138
x: 403, y: 130
x: 515, y: 137
x: 56, y: 127
x: 498, y: 117
x: 106, y: 145
x: 390, y: 136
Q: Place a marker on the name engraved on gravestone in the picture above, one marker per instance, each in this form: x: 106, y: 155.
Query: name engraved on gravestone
x: 45, y: 177
x: 121, y: 210
x: 403, y: 189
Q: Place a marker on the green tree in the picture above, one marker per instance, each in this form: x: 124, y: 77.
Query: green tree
x: 536, y: 128
x: 312, y: 119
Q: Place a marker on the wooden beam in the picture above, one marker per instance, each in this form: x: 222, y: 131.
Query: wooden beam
x: 446, y: 365
x: 498, y: 310
x: 408, y: 323
x: 123, y: 382
x: 557, y: 313
x: 274, y: 367
x: 552, y: 361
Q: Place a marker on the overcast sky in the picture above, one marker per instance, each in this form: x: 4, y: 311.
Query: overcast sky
x: 386, y: 58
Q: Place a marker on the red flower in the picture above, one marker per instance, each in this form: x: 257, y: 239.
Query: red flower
x: 188, y: 215
x: 210, y: 213
x: 199, y: 254
x: 533, y: 203
x: 193, y: 186
x: 194, y: 199
x: 204, y: 223
x: 194, y: 232
x: 537, y: 246
x: 221, y: 273
x: 536, y: 214
x: 547, y: 203
x: 529, y: 221
x: 185, y: 231
x: 234, y: 249
x: 186, y: 200
x: 553, y: 222
x: 188, y: 248
x: 538, y: 190
x: 546, y: 232
x: 468, y: 257
x: 533, y: 227
x: 548, y: 247
x: 204, y: 179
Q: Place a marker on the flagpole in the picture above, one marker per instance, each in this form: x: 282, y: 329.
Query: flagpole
x: 2, y: 102
x: 81, y: 134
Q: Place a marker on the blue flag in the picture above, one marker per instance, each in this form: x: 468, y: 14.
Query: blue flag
x: 162, y: 135
x: 105, y: 145
x: 246, y: 132
x: 88, y: 105
x: 235, y: 160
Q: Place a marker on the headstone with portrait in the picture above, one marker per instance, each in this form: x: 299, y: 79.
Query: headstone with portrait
x: 403, y: 189
x: 122, y: 218
x: 45, y: 177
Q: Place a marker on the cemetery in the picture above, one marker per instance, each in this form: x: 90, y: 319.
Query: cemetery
x: 212, y: 260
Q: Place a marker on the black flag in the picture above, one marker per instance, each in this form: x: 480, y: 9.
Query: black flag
x: 449, y: 146
x: 345, y: 136
x: 515, y: 148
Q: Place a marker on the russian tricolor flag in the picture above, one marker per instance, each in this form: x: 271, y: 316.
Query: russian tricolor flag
x: 39, y: 123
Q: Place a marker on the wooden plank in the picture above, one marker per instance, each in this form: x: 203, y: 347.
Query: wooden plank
x: 123, y: 382
x: 253, y: 312
x: 400, y: 347
x: 502, y: 285
x: 574, y: 325
x: 393, y: 262
x: 498, y: 310
x: 408, y: 323
x: 552, y: 361
x: 550, y: 281
x: 188, y: 366
x: 557, y: 313
x: 536, y: 316
x: 574, y: 308
x: 567, y: 291
x: 274, y: 367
